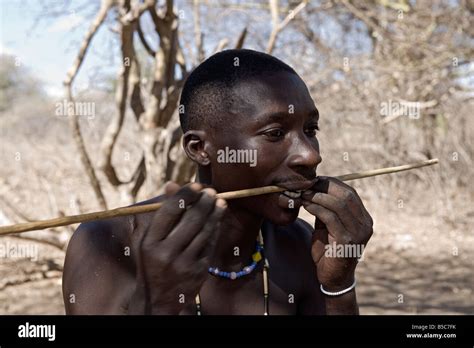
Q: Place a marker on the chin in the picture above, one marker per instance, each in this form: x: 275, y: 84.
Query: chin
x: 282, y: 217
x: 268, y: 207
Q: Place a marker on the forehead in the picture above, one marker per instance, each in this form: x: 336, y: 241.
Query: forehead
x: 277, y: 92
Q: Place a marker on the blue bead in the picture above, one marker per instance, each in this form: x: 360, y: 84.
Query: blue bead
x: 246, y: 270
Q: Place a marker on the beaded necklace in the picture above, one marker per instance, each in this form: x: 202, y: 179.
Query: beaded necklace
x: 256, y: 257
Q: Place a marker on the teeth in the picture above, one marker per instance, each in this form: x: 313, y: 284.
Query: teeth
x: 292, y: 194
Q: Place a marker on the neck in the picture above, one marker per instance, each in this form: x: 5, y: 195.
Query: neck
x: 238, y: 232
x: 236, y: 243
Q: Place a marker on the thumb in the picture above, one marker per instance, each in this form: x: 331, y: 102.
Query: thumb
x: 171, y: 188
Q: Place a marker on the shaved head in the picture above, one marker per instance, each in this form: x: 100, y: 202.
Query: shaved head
x: 208, y: 95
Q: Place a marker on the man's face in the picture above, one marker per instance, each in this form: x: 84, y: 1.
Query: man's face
x: 276, y: 120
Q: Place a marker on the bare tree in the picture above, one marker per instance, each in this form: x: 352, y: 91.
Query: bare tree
x: 156, y: 114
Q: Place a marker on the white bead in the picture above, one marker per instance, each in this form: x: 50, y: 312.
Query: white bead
x: 233, y: 275
x: 216, y: 271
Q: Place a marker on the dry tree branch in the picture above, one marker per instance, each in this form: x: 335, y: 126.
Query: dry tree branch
x: 86, y: 162
x: 99, y: 19
x: 278, y: 27
x: 221, y: 45
x: 250, y: 6
x: 23, y: 217
x: 135, y: 12
x: 240, y: 40
x: 143, y: 40
x: 113, y: 130
x: 363, y: 17
x: 198, y: 35
x: 136, y: 103
x: 71, y: 74
x: 376, y: 30
x: 420, y: 105
x: 163, y: 27
x: 181, y: 60
x: 129, y: 80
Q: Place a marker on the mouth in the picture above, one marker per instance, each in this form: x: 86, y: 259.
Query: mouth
x: 293, y: 194
x: 296, y: 188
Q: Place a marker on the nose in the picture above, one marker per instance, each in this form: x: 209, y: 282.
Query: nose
x: 304, y: 154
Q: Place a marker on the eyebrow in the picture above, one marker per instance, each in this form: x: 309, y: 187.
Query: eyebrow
x: 279, y: 116
x: 274, y: 117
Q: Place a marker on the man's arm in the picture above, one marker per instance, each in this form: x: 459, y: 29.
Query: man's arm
x: 342, y: 222
x: 343, y: 304
x: 98, y: 273
x: 168, y: 257
x: 315, y: 302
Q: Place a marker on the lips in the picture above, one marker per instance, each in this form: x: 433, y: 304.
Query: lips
x: 291, y: 194
x: 297, y: 186
x: 294, y: 191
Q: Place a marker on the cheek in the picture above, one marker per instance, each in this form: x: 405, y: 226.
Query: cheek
x: 232, y: 177
x: 265, y: 161
x: 259, y: 164
x: 270, y: 158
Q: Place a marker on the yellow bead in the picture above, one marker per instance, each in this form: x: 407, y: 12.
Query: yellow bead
x: 257, y: 256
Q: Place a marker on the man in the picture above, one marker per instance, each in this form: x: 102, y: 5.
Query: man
x: 235, y: 104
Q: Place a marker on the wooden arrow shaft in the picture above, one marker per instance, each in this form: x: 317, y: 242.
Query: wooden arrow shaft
x: 139, y: 209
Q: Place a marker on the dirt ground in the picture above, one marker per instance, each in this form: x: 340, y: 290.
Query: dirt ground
x: 415, y: 265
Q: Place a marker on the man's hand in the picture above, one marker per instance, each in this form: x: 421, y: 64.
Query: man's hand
x: 341, y: 218
x: 175, y: 250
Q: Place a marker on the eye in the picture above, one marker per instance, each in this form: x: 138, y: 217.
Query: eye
x: 275, y: 134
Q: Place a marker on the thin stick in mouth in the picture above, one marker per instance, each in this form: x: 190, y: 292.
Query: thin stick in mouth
x: 73, y: 219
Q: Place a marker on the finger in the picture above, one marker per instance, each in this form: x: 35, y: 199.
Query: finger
x: 192, y: 221
x: 338, y: 206
x: 171, y: 188
x: 202, y: 246
x: 356, y: 196
x: 172, y: 210
x: 336, y: 188
x: 334, y: 226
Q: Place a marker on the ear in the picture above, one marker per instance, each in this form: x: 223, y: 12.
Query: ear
x: 195, y: 145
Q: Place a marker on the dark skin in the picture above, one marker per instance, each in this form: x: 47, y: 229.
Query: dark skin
x: 170, y: 250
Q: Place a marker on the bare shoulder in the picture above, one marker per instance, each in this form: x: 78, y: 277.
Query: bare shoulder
x: 109, y: 236
x: 99, y: 260
x: 101, y: 235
